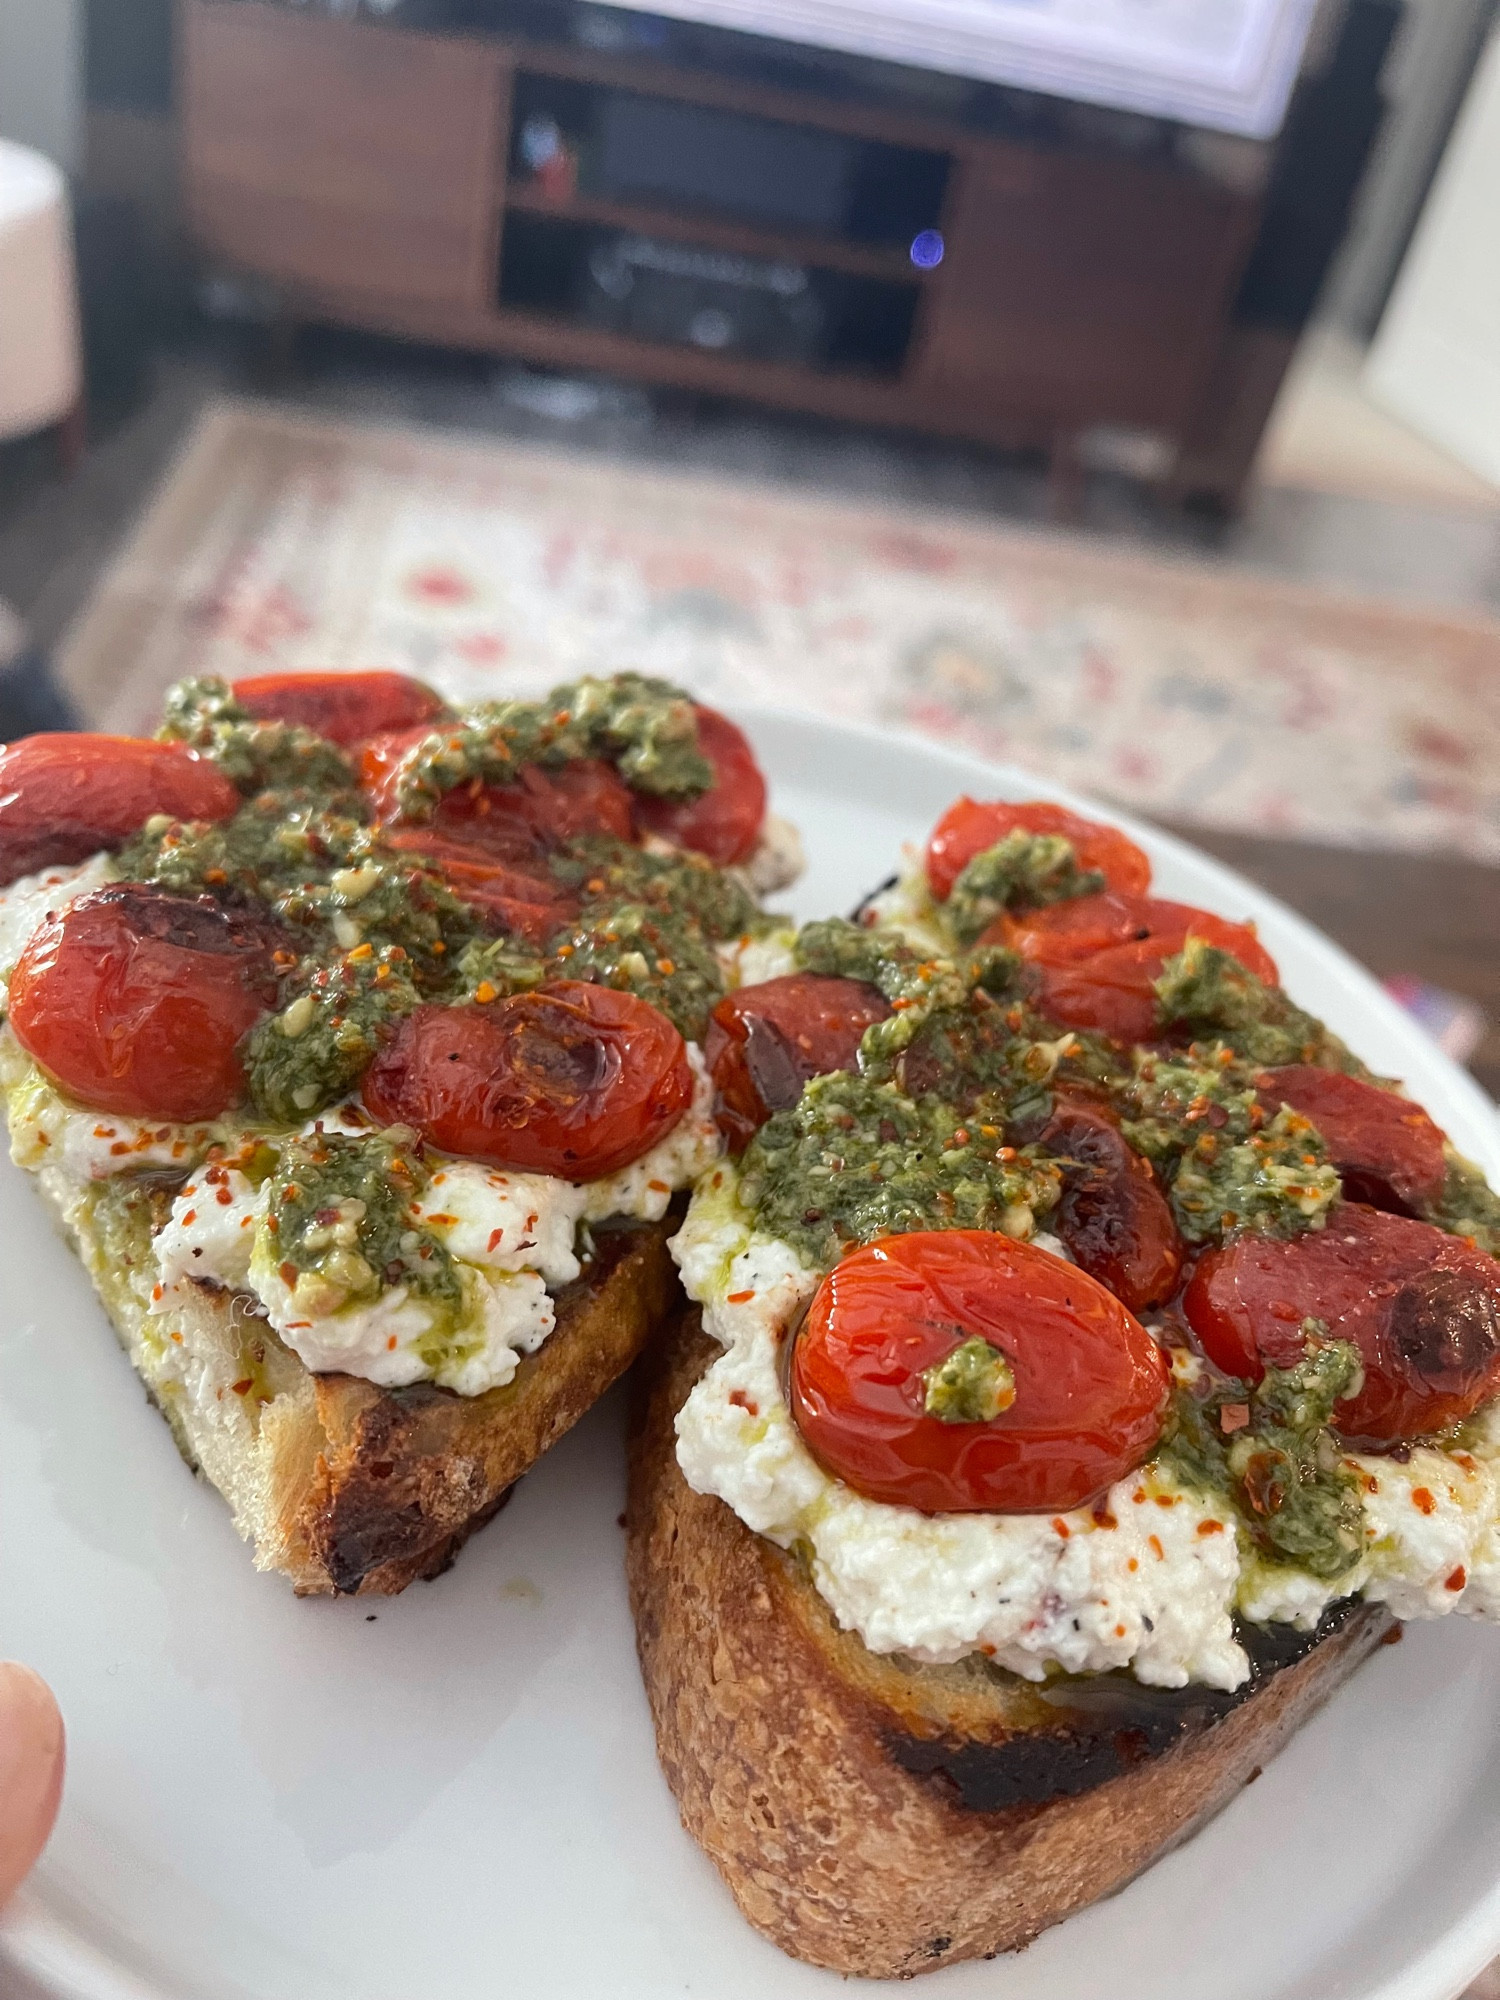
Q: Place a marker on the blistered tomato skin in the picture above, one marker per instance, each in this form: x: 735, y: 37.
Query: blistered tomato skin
x: 1090, y: 1383
x: 1422, y: 1307
x: 1113, y: 1215
x: 65, y: 796
x: 344, y: 708
x: 971, y: 825
x: 1099, y: 956
x: 571, y: 1079
x: 1388, y: 1151
x: 133, y: 1001
x: 725, y: 821
x: 765, y: 1041
x: 522, y: 900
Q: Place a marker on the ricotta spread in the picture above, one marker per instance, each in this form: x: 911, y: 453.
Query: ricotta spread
x: 512, y: 1235
x: 30, y: 899
x: 1150, y: 1579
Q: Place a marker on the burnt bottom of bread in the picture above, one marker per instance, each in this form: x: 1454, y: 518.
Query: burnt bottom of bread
x: 883, y: 1817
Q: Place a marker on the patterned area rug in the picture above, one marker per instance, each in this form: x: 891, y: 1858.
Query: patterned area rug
x: 1190, y: 691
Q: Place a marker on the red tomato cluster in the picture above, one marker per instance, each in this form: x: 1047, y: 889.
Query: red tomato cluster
x: 1090, y: 1383
x: 571, y: 1079
x: 764, y: 1042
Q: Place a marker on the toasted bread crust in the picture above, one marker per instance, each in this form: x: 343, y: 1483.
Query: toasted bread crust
x: 345, y: 1487
x: 882, y: 1818
x: 406, y: 1475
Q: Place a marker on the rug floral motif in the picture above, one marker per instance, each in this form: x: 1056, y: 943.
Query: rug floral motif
x: 1190, y: 691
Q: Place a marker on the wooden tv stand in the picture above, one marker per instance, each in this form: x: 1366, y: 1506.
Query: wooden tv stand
x: 366, y: 171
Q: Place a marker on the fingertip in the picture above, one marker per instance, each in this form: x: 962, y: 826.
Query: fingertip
x: 32, y: 1755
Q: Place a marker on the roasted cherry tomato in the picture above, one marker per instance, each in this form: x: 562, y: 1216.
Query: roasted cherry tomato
x: 1387, y: 1150
x: 513, y: 822
x: 970, y: 826
x: 1089, y: 1383
x: 765, y: 1041
x: 63, y: 797
x: 725, y: 821
x: 345, y: 708
x: 134, y: 1000
x: 541, y: 810
x: 520, y: 899
x: 1099, y: 956
x: 571, y: 1079
x: 1113, y: 1215
x: 1422, y: 1307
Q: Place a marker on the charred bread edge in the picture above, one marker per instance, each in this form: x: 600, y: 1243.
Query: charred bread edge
x: 346, y: 1487
x: 880, y: 1817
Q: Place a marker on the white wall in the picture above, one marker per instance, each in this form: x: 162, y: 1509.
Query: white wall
x: 41, y: 77
x: 1436, y: 359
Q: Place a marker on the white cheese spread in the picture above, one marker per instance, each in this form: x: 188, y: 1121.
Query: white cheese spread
x: 512, y: 1236
x: 1149, y: 1579
x: 30, y: 899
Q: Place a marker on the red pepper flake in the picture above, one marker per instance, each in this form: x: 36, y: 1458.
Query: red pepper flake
x: 288, y: 1276
x: 242, y: 1388
x: 1103, y: 1518
x: 223, y: 1197
x: 1166, y: 1499
x: 1234, y: 1417
x: 1119, y: 1631
x: 1457, y: 1580
x: 1132, y: 1564
x: 191, y: 1216
x: 495, y: 1236
x: 739, y: 1298
x: 743, y: 1402
x: 1422, y: 1499
x: 1210, y: 1527
x: 1061, y: 1528
x: 484, y: 993
x: 156, y: 1292
x: 1156, y: 1548
x: 391, y: 1342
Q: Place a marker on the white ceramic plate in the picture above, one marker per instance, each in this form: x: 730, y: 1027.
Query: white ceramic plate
x: 455, y: 1794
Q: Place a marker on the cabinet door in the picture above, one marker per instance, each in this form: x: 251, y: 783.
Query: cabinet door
x: 1080, y: 289
x: 343, y: 156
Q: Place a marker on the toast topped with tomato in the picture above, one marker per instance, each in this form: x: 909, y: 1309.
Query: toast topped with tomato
x: 355, y: 1042
x: 1094, y: 1361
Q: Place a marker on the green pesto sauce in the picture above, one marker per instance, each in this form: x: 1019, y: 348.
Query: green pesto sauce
x: 645, y: 727
x: 256, y: 756
x: 855, y: 1159
x: 1284, y: 1471
x: 1468, y: 1206
x: 338, y: 1214
x: 1209, y: 991
x: 971, y: 1385
x: 1228, y: 1167
x: 1022, y: 871
x: 313, y: 1051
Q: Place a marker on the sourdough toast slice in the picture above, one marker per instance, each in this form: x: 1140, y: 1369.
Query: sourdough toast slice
x: 343, y: 1486
x: 881, y: 1817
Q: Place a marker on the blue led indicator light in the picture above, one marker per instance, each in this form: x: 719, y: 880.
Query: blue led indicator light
x: 927, y: 249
